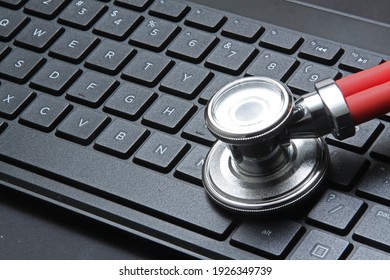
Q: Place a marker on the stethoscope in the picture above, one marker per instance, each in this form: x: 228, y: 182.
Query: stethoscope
x: 270, y: 154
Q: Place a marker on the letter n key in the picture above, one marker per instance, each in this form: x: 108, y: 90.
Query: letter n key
x: 161, y: 152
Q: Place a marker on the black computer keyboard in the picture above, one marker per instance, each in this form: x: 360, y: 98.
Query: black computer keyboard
x: 101, y: 112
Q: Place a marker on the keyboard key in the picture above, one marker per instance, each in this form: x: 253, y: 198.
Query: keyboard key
x: 10, y: 23
x: 374, y: 228
x: 73, y: 46
x: 376, y: 183
x: 82, y: 125
x: 4, y: 49
x: 13, y: 99
x: 242, y: 29
x: 381, y: 149
x: 344, y: 168
x: 215, y: 85
x: 154, y: 34
x: 121, y: 138
x: 168, y: 9
x: 117, y: 23
x: 130, y: 101
x: 161, y: 152
x: 272, y: 239
x: 231, y: 57
x: 304, y: 79
x: 147, y: 68
x: 205, y: 19
x: 91, y: 89
x: 45, y: 113
x: 197, y: 131
x: 273, y: 65
x: 355, y: 61
x: 19, y: 65
x: 38, y: 35
x: 168, y: 113
x: 45, y: 9
x: 159, y: 195
x: 55, y: 77
x: 364, y: 253
x: 366, y: 133
x: 13, y: 4
x: 192, y: 45
x: 136, y: 5
x: 321, y: 51
x: 82, y: 14
x: 185, y: 80
x: 281, y: 40
x: 336, y: 212
x: 190, y: 168
x: 109, y: 57
x: 319, y: 245
x: 3, y: 126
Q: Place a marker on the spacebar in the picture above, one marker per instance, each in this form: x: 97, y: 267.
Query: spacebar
x: 126, y: 182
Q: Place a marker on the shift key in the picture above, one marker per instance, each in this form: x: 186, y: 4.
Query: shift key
x: 374, y: 229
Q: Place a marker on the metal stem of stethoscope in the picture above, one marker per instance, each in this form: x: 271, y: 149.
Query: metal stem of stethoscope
x: 270, y: 154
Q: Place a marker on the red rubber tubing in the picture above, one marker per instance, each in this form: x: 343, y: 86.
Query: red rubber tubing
x: 366, y: 79
x: 370, y: 103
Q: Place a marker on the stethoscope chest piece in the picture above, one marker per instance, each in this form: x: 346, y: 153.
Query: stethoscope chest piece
x: 255, y: 166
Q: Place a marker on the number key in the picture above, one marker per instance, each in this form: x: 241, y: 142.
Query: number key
x: 136, y: 5
x: 154, y: 34
x: 273, y: 65
x: 308, y: 75
x: 118, y: 23
x: 45, y: 8
x: 82, y: 14
x: 192, y: 45
x: 231, y: 56
x: 13, y: 4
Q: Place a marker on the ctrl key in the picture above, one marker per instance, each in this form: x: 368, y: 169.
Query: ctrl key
x: 374, y: 229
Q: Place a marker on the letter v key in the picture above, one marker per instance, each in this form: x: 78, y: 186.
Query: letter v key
x: 82, y: 125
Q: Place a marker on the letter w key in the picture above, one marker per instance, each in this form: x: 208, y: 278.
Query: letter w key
x: 38, y: 35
